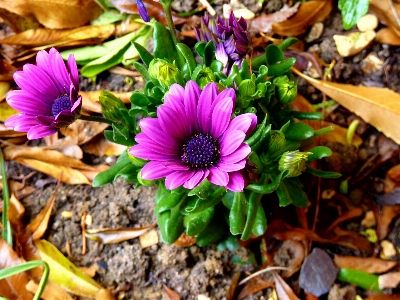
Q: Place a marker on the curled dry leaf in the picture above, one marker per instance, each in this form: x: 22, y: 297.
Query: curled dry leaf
x: 65, y: 273
x: 82, y: 132
x: 149, y: 238
x: 172, y: 295
x: 384, y: 216
x: 46, y: 36
x: 51, y: 291
x: 55, y: 13
x: 389, y: 280
x: 116, y: 235
x: 283, y: 290
x: 366, y: 264
x: 100, y: 146
x: 348, y: 215
x: 309, y: 13
x: 376, y: 106
x: 385, y: 13
x: 6, y: 111
x: 12, y: 286
x: 387, y: 36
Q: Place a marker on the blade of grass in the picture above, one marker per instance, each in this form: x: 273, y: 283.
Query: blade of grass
x: 6, y: 232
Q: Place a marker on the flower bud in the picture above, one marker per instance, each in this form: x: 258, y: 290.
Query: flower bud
x: 111, y: 106
x: 204, y: 77
x: 138, y: 162
x: 294, y: 162
x: 166, y: 73
x: 247, y: 88
x: 276, y: 142
x: 286, y: 92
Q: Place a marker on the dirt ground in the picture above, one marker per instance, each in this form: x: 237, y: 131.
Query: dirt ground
x: 137, y: 273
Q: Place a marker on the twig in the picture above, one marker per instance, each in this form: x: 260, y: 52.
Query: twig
x: 209, y: 8
x: 261, y: 272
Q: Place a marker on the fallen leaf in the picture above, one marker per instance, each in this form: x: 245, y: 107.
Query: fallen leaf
x: 12, y: 286
x: 309, y: 13
x: 65, y: 273
x: 185, y: 241
x: 46, y: 36
x: 255, y: 285
x: 263, y: 23
x: 389, y: 198
x: 318, y: 273
x: 233, y: 286
x: 376, y: 106
x: 149, y: 239
x: 385, y: 13
x: 387, y: 36
x: 366, y: 264
x: 384, y: 216
x: 295, y: 250
x: 172, y: 295
x: 105, y: 294
x: 116, y: 235
x: 389, y: 280
x: 283, y: 290
x: 4, y: 88
x: 38, y: 226
x: 7, y: 71
x: 352, y: 240
x: 6, y: 111
x: 375, y: 296
x: 346, y: 216
x: 82, y: 132
x: 55, y: 13
x: 100, y: 147
x: 90, y: 100
x: 51, y: 291
x: 15, y: 213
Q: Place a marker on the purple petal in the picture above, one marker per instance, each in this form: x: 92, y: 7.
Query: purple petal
x: 229, y: 167
x: 176, y: 90
x: 145, y: 141
x: 64, y: 119
x: 245, y: 122
x: 218, y: 177
x: 73, y: 71
x: 151, y: 127
x: 25, y: 103
x: 178, y: 178
x: 155, y: 170
x: 144, y: 152
x: 21, y: 123
x: 221, y: 116
x: 39, y: 131
x: 204, y: 107
x: 174, y: 123
x: 45, y: 120
x: 61, y: 77
x: 236, y: 182
x: 231, y: 142
x: 241, y: 153
x: 192, y: 93
x: 221, y: 55
x: 142, y: 11
x: 76, y: 108
x: 195, y: 180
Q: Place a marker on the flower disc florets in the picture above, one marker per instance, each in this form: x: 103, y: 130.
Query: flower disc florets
x: 48, y: 99
x: 194, y: 138
x: 230, y: 37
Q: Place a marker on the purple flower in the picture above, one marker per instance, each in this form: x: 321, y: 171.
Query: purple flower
x: 48, y: 99
x: 194, y: 138
x: 230, y: 37
x: 142, y: 11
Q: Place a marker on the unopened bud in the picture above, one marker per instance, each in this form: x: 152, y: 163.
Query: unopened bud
x: 204, y: 77
x: 294, y: 162
x: 286, y: 92
x: 166, y: 73
x: 111, y: 106
x: 276, y: 142
x: 247, y: 88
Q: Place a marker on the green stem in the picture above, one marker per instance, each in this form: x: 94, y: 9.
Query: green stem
x: 168, y: 15
x: 96, y: 119
x: 6, y: 233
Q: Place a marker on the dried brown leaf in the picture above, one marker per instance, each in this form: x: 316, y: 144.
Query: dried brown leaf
x: 384, y: 216
x: 55, y: 13
x: 82, y: 132
x: 385, y: 13
x: 389, y: 280
x: 309, y: 13
x: 171, y: 294
x: 116, y: 235
x: 15, y: 213
x: 52, y: 291
x: 46, y: 36
x: 366, y: 264
x: 377, y: 106
x: 283, y: 290
x: 90, y: 100
x: 12, y: 287
x: 387, y: 36
x: 346, y: 216
x: 100, y: 146
x: 255, y: 285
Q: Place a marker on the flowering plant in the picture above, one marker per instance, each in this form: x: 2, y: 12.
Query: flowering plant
x: 215, y: 136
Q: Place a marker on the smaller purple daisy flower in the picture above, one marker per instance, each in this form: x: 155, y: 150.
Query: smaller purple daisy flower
x: 194, y: 138
x: 142, y: 11
x: 230, y: 37
x: 48, y: 99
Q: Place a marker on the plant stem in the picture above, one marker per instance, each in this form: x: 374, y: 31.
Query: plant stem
x: 168, y: 15
x: 96, y: 119
x: 6, y: 233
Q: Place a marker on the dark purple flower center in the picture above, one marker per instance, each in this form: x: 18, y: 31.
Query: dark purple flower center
x: 201, y: 151
x: 61, y: 103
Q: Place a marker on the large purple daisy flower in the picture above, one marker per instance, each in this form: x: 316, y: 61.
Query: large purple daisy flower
x: 48, y: 99
x: 194, y: 138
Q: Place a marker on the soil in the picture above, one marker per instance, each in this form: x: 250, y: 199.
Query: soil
x: 134, y: 272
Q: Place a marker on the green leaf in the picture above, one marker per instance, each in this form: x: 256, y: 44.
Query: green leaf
x: 323, y: 174
x: 290, y: 190
x: 209, y: 53
x: 139, y: 99
x: 287, y: 43
x: 196, y: 223
x: 171, y: 226
x: 260, y: 224
x: 299, y: 131
x: 143, y: 71
x: 188, y: 56
x: 361, y: 279
x: 274, y: 54
x: 108, y: 175
x: 352, y: 11
x: 144, y: 54
x: 318, y: 152
x: 269, y: 187
x: 237, y: 215
x: 164, y: 46
x: 252, y: 208
x: 199, y: 47
x: 283, y: 67
x: 114, y: 137
x: 171, y: 200
x: 213, y: 233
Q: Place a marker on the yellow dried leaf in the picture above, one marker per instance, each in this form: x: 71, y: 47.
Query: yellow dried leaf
x: 55, y: 13
x: 379, y: 107
x: 51, y: 291
x: 387, y: 36
x: 6, y: 111
x: 116, y: 235
x: 389, y: 280
x: 65, y: 273
x: 90, y: 100
x: 83, y: 131
x: 366, y: 264
x: 385, y: 13
x: 46, y: 36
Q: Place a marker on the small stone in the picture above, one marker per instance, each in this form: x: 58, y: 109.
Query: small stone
x: 244, y: 13
x: 353, y: 43
x: 369, y: 219
x: 388, y: 250
x: 372, y: 65
x: 67, y: 214
x: 367, y: 22
x: 315, y: 32
x: 203, y: 297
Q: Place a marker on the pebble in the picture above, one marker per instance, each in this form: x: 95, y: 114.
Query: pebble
x: 372, y: 65
x: 388, y: 250
x: 367, y: 22
x: 315, y: 32
x: 354, y: 42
